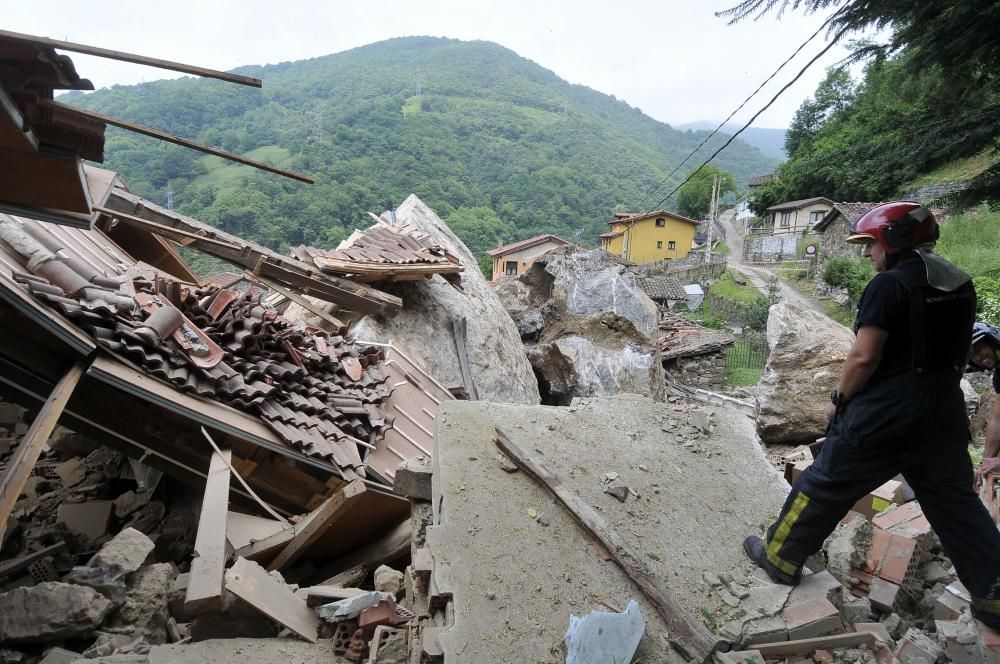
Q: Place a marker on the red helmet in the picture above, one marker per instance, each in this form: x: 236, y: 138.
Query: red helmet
x: 897, y: 226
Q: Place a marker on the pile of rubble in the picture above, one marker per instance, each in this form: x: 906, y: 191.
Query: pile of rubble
x: 881, y: 590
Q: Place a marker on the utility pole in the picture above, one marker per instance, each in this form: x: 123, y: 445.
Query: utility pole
x: 712, y: 209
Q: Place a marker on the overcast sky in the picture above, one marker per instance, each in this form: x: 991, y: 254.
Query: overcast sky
x: 672, y: 58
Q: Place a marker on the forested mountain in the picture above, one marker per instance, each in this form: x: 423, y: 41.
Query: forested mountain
x: 501, y: 147
x: 769, y: 141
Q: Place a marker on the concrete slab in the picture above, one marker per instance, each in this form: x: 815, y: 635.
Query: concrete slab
x: 516, y: 563
x: 247, y: 651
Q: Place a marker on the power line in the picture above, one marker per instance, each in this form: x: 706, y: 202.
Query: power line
x: 756, y: 115
x: 740, y: 107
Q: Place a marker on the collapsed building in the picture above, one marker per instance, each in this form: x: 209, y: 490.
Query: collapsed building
x: 339, y: 455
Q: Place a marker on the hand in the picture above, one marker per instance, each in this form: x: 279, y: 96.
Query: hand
x: 831, y: 410
x: 989, y: 465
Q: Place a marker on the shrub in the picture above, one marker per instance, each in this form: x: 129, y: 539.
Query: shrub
x: 851, y: 275
x: 988, y: 293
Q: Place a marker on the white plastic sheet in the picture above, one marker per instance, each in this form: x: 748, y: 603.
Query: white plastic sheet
x: 604, y: 638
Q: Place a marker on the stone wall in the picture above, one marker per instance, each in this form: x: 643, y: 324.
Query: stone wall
x: 770, y: 248
x: 833, y: 244
x: 705, y: 371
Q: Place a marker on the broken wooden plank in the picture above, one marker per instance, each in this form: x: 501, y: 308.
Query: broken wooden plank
x: 129, y: 57
x: 9, y: 567
x: 204, y: 590
x: 325, y: 517
x: 27, y: 453
x: 176, y: 140
x: 248, y: 581
x: 849, y: 640
x: 687, y: 634
x: 243, y: 529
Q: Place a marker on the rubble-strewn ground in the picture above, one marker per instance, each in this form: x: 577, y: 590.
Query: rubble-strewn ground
x: 698, y: 483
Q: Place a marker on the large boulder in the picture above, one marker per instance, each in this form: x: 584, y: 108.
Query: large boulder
x: 50, y: 612
x: 807, y: 353
x: 424, y: 325
x: 589, y: 329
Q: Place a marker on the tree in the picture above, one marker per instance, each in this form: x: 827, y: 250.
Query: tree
x: 833, y: 95
x: 962, y: 36
x: 695, y: 198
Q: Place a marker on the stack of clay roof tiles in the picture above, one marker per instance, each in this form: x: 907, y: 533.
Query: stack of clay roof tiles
x: 320, y: 393
x: 680, y: 337
x: 383, y: 253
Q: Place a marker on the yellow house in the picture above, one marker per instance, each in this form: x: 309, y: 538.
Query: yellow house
x: 647, y: 237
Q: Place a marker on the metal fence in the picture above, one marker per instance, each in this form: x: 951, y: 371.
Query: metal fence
x: 749, y: 351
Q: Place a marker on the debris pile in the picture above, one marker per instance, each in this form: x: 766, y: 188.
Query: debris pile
x: 882, y: 590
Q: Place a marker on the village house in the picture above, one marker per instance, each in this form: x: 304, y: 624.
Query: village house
x: 798, y: 216
x: 760, y: 180
x: 514, y: 259
x: 833, y: 230
x: 743, y: 214
x: 647, y: 237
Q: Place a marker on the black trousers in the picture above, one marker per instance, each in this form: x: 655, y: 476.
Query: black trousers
x: 914, y: 424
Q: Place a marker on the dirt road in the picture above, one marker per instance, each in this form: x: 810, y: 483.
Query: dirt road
x: 756, y: 274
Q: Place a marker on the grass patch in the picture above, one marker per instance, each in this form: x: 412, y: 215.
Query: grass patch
x: 972, y: 241
x: 956, y: 171
x: 223, y: 174
x: 741, y: 376
x: 726, y: 287
x: 411, y: 106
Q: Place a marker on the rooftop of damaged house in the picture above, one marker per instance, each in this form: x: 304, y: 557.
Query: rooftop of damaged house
x: 372, y: 454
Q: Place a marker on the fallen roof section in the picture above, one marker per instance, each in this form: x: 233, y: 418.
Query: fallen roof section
x: 680, y: 337
x: 259, y: 260
x: 662, y: 288
x: 383, y: 253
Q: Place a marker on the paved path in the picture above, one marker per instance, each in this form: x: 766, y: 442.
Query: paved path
x: 756, y: 274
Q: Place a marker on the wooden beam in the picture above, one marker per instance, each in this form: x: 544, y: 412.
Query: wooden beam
x: 24, y: 459
x: 338, y: 325
x: 176, y: 140
x: 248, y: 581
x: 9, y: 567
x: 263, y: 262
x: 391, y: 546
x: 129, y: 57
x: 325, y: 518
x: 686, y: 633
x: 204, y: 590
x: 785, y: 648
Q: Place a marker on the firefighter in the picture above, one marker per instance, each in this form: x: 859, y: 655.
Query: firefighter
x: 985, y: 355
x: 898, y: 407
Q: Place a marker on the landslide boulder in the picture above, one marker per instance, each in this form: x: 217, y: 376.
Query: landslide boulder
x: 807, y: 353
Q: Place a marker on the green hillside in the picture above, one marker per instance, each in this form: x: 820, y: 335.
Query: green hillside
x: 499, y: 146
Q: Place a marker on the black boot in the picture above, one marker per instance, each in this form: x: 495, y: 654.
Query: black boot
x: 754, y: 546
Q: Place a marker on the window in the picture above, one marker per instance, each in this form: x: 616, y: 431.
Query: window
x: 671, y: 245
x: 660, y: 222
x: 786, y: 218
x: 816, y: 217
x: 510, y: 268
x: 659, y: 244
